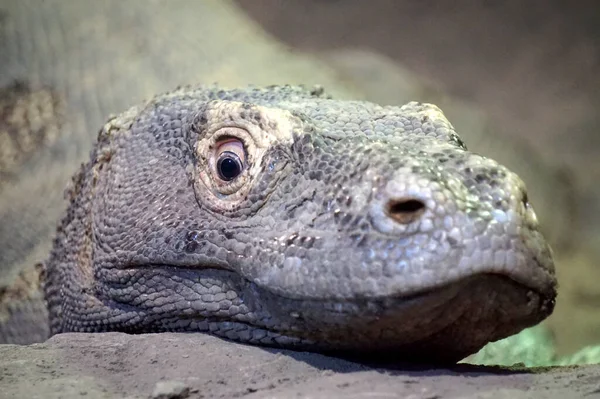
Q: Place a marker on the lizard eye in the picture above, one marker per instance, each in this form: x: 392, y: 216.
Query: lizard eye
x: 230, y: 159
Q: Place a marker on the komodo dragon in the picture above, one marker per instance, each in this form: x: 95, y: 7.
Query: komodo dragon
x: 278, y: 216
x: 81, y: 61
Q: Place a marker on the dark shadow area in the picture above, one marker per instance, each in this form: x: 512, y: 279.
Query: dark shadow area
x: 340, y: 363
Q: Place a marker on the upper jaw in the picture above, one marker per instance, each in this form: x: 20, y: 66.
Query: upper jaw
x: 402, y: 267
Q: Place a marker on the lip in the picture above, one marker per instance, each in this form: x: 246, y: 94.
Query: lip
x: 445, y: 323
x: 544, y: 286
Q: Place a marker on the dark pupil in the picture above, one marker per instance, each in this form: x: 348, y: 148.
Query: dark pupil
x: 229, y: 166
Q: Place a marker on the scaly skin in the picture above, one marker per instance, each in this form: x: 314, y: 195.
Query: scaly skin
x: 352, y: 228
x: 65, y: 66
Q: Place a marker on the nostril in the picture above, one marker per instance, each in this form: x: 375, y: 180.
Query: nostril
x: 405, y: 210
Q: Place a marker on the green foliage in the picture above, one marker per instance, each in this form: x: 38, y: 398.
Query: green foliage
x: 532, y: 347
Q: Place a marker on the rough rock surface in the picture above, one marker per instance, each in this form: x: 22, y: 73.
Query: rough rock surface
x: 201, y: 366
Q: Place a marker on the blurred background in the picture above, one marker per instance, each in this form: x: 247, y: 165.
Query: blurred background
x: 518, y: 79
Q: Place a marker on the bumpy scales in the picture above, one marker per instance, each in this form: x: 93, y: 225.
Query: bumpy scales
x: 277, y: 216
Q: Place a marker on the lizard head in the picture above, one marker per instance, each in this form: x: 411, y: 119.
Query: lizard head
x: 278, y: 216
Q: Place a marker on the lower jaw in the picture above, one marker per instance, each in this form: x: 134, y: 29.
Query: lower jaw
x: 437, y: 327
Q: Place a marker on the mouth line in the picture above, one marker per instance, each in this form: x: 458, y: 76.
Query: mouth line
x: 357, y: 299
x: 458, y: 283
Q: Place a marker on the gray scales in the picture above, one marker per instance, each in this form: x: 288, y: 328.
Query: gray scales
x: 82, y: 79
x: 278, y: 216
x: 76, y: 63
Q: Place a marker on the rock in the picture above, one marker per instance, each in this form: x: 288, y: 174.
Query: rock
x: 171, y: 389
x: 198, y: 365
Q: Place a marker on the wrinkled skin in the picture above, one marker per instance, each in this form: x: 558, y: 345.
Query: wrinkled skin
x: 351, y: 228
